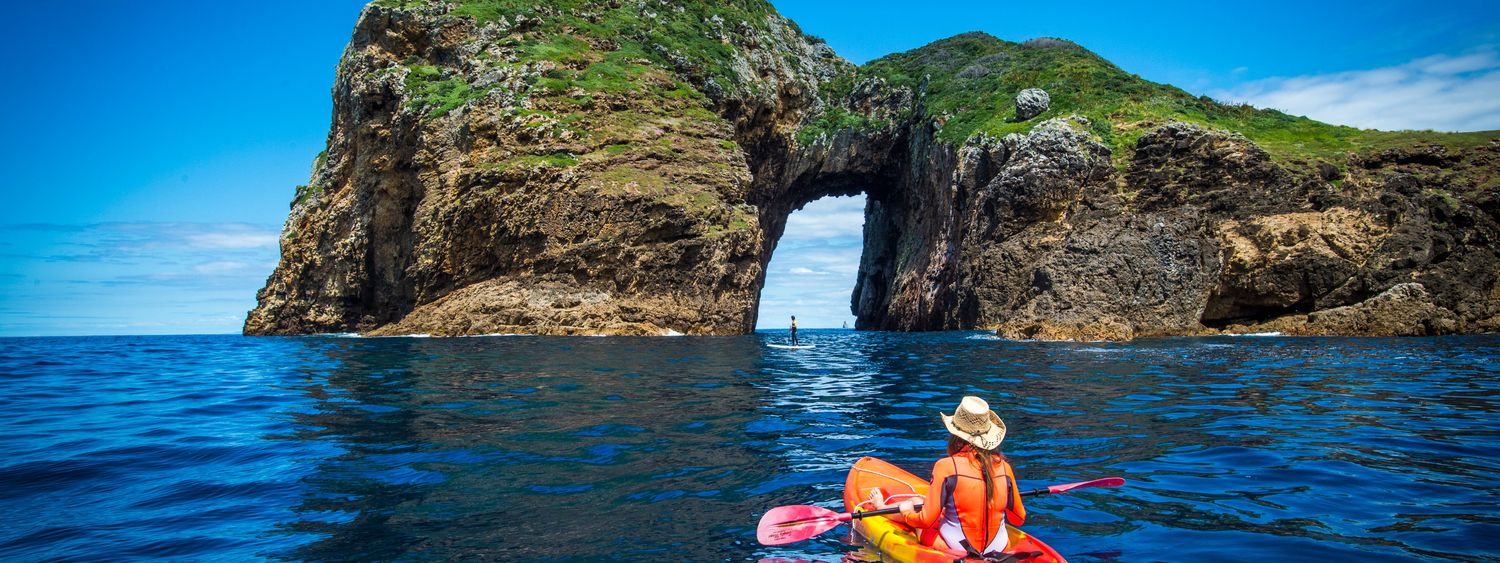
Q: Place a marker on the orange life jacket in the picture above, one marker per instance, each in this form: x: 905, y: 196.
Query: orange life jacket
x: 958, y: 476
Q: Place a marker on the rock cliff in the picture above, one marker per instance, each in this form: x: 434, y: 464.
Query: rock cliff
x: 560, y: 168
x: 627, y: 166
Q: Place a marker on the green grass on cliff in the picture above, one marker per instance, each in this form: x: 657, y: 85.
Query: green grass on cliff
x: 973, y: 80
x: 597, y: 52
x: 834, y: 120
x: 434, y: 94
x: 667, y: 35
x: 533, y: 161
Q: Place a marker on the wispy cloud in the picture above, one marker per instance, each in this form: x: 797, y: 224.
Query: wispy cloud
x: 239, y: 238
x: 121, y: 242
x: 221, y: 267
x: 132, y: 276
x: 830, y: 217
x: 1439, y: 92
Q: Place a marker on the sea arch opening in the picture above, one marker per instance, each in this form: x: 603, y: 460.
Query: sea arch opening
x: 814, y: 265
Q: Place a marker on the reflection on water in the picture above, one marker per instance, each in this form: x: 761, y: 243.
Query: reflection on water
x: 521, y: 448
x: 642, y: 449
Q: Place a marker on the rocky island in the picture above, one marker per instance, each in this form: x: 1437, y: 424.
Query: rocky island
x: 627, y: 167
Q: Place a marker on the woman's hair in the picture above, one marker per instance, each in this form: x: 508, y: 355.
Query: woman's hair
x: 986, y: 462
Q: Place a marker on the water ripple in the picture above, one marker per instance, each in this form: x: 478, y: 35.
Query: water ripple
x: 649, y: 449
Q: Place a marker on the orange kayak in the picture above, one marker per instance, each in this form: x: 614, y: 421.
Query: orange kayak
x: 897, y: 542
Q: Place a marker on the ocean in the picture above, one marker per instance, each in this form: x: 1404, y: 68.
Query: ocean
x: 519, y: 448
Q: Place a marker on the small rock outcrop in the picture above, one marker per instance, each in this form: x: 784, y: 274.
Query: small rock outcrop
x: 1405, y: 309
x: 1031, y: 102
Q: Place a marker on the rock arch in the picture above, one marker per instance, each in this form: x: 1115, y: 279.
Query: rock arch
x: 455, y: 198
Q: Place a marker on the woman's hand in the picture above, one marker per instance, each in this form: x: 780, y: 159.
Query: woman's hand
x: 908, y: 508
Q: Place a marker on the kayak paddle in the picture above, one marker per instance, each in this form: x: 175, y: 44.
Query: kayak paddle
x: 1055, y: 489
x: 787, y: 524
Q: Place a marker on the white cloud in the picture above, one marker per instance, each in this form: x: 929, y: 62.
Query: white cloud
x: 240, y: 239
x: 189, y: 277
x: 837, y: 257
x: 123, y: 241
x: 1440, y: 92
x: 801, y: 271
x: 221, y: 267
x: 830, y: 217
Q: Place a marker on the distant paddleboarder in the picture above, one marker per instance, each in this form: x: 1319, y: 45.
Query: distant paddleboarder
x: 794, y: 330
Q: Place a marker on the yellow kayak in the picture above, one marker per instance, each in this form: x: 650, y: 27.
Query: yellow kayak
x: 897, y: 542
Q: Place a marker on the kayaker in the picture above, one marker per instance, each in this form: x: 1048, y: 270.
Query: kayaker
x: 973, y: 491
x: 794, y: 330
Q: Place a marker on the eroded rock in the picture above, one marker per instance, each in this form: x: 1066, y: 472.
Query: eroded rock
x: 1406, y: 309
x: 1186, y: 164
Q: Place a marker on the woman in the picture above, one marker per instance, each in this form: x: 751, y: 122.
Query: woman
x: 973, y: 491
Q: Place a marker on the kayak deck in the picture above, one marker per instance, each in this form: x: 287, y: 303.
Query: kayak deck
x: 898, y: 542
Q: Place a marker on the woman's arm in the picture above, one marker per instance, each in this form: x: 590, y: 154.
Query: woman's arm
x: 1016, y: 514
x: 932, y: 506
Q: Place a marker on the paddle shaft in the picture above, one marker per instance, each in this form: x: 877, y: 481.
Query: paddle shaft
x: 1055, y: 489
x: 786, y: 524
x: 893, y: 510
x: 879, y: 512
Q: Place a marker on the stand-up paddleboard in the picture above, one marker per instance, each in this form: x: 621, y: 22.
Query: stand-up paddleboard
x: 791, y: 347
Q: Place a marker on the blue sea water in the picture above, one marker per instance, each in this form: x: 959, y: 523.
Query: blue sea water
x: 669, y: 449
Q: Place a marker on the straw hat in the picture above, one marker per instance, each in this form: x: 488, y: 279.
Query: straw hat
x: 975, y: 423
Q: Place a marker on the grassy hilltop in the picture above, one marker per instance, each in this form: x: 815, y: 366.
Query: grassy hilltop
x: 972, y: 80
x: 603, y: 49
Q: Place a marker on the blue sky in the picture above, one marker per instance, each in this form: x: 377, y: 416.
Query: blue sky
x: 151, y: 149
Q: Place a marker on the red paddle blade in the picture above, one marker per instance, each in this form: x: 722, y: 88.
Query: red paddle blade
x: 787, y: 524
x: 1105, y: 482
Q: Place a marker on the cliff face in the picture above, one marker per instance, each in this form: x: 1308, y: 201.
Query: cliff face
x: 551, y: 169
x: 1039, y: 236
x: 626, y: 167
x: 1202, y: 233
